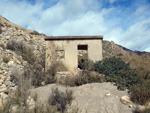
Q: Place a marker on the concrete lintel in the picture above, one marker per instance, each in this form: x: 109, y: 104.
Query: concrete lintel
x: 74, y: 37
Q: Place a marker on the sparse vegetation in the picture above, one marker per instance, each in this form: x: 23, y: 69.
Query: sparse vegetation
x: 34, y: 33
x: 51, y: 72
x: 23, y: 50
x: 140, y: 93
x: 83, y: 78
x: 61, y: 99
x: 140, y: 64
x: 17, y: 102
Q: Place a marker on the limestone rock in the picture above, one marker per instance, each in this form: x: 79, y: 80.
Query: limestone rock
x: 107, y: 94
x: 126, y: 100
x: 11, y: 63
x: 1, y: 71
x: 13, y: 109
x: 4, y: 98
x: 7, y: 37
x: 30, y: 102
x: 13, y: 88
x: 24, y: 63
x: 1, y: 82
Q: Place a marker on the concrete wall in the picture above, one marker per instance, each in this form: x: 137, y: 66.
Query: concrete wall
x: 70, y: 48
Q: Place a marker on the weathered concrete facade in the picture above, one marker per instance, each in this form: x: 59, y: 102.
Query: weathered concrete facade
x: 66, y: 49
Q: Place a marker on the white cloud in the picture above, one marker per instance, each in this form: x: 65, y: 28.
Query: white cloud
x: 112, y: 1
x: 135, y: 38
x: 21, y: 13
x: 141, y: 10
x: 82, y: 17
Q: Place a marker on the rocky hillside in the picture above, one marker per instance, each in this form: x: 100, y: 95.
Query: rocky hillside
x: 16, y: 44
x: 110, y: 48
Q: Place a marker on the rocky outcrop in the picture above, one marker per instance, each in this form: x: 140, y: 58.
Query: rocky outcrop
x: 110, y: 48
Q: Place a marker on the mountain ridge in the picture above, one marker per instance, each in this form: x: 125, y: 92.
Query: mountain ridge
x: 111, y: 48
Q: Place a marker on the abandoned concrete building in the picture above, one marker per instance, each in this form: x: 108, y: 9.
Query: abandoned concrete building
x: 71, y: 49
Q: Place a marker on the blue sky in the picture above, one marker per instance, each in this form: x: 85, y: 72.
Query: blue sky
x: 126, y: 22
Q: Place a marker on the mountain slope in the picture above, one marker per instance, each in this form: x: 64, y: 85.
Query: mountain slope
x: 17, y: 46
x: 110, y: 48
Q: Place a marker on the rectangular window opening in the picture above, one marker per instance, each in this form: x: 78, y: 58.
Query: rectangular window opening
x: 82, y: 47
x: 60, y: 54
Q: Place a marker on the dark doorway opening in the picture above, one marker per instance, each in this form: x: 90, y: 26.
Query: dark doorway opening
x: 82, y: 55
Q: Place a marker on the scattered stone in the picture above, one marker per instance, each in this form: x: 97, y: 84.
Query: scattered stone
x: 7, y: 37
x: 13, y: 109
x: 24, y: 63
x: 1, y: 83
x: 125, y: 100
x: 130, y: 106
x: 13, y: 88
x: 30, y: 102
x: 43, y: 83
x: 11, y: 63
x: 4, y: 97
x: 107, y: 94
x: 1, y: 71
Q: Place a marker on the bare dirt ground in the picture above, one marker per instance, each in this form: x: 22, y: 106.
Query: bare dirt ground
x: 90, y: 98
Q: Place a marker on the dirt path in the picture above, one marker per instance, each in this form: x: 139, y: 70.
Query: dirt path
x: 91, y: 98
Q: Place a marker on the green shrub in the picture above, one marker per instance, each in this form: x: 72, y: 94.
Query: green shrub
x: 61, y: 99
x: 5, y: 58
x: 86, y: 64
x: 116, y: 70
x: 111, y: 66
x: 127, y: 79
